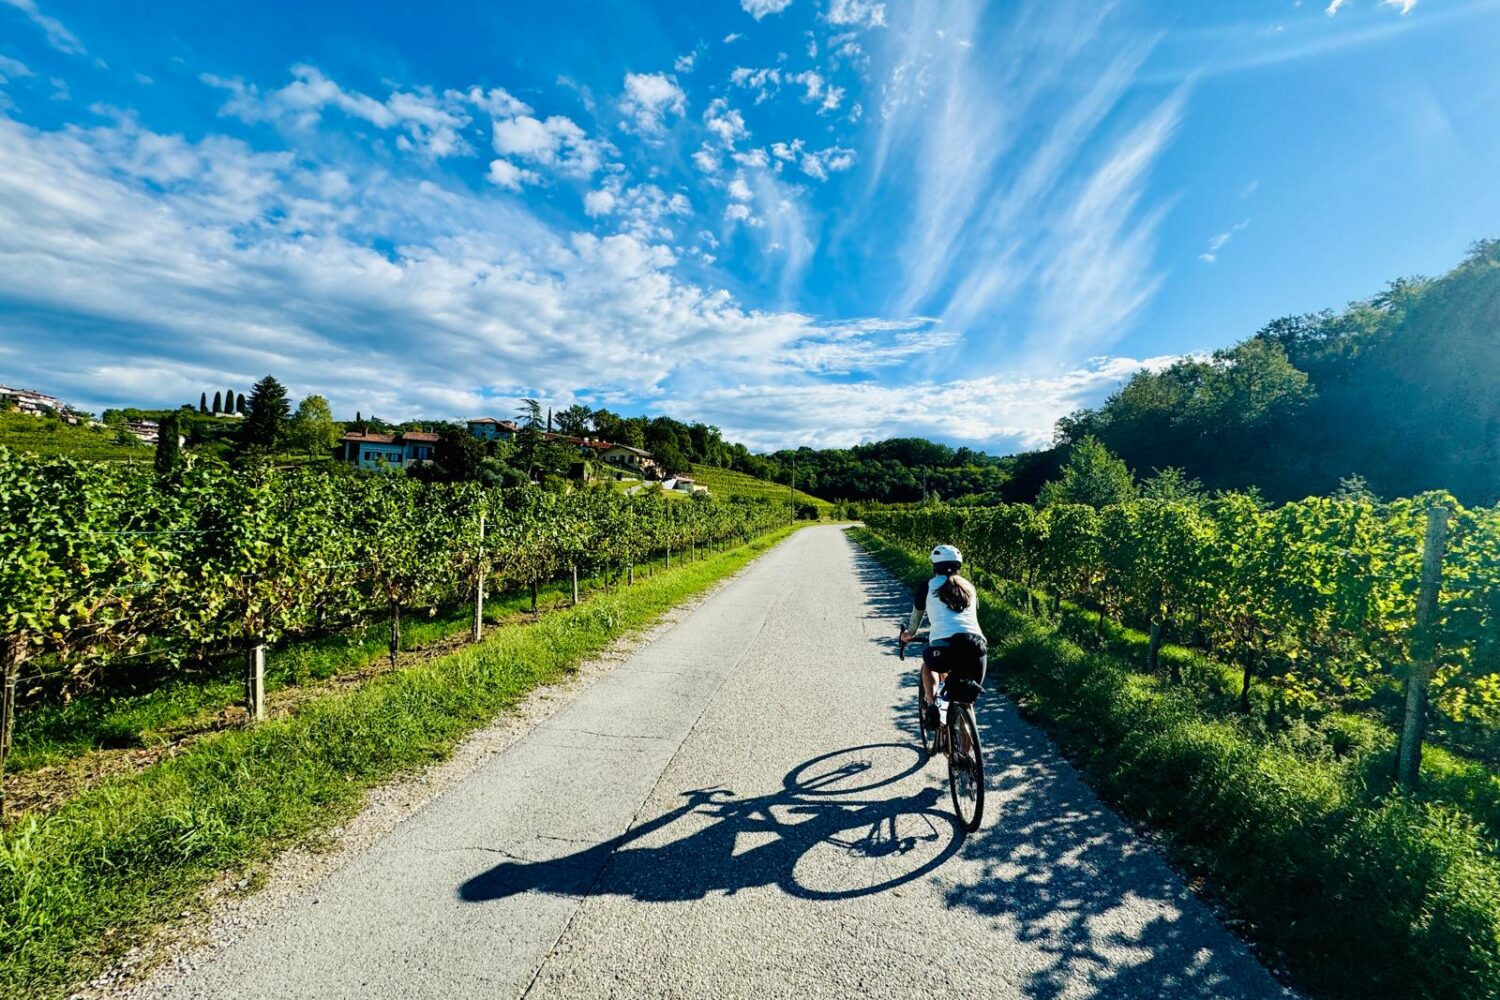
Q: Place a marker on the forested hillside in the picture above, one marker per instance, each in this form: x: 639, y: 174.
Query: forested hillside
x: 1402, y: 389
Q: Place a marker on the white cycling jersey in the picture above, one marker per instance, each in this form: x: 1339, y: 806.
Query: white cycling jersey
x: 945, y: 621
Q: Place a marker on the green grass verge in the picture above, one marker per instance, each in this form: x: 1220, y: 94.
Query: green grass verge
x: 1365, y: 893
x: 728, y: 483
x: 79, y: 885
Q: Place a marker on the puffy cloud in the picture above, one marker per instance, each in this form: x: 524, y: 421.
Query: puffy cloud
x: 597, y: 203
x: 505, y: 174
x: 649, y: 99
x: 685, y: 63
x: 760, y: 8
x: 557, y: 143
x: 706, y: 159
x: 739, y: 190
x: 1333, y: 7
x: 863, y: 13
x: 765, y: 82
x: 725, y: 122
x: 429, y: 123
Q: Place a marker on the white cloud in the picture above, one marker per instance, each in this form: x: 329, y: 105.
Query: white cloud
x: 649, y: 99
x: 752, y: 158
x: 1220, y: 241
x: 597, y: 203
x: 739, y: 190
x: 685, y: 63
x: 765, y: 82
x: 497, y: 102
x: 455, y: 296
x: 732, y: 37
x: 1010, y: 409
x: 818, y: 165
x: 725, y: 122
x: 738, y: 212
x: 760, y: 8
x: 1403, y: 6
x: 58, y: 36
x: 505, y: 174
x: 428, y: 123
x: 706, y: 159
x: 1333, y: 7
x: 864, y: 13
x: 557, y: 143
x: 13, y: 69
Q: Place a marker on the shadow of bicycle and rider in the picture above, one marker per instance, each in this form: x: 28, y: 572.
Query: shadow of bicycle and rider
x: 1097, y: 912
x: 819, y: 837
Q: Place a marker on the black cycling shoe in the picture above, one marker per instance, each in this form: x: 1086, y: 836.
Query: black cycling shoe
x: 931, y: 712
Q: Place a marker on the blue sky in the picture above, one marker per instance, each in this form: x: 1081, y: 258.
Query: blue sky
x: 806, y: 221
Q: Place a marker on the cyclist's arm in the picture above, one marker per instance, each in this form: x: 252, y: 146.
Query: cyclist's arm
x: 919, y: 608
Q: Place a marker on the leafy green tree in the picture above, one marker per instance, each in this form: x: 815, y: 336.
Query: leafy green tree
x: 1091, y: 476
x: 574, y: 421
x: 266, y: 421
x: 312, y: 429
x: 1172, y: 484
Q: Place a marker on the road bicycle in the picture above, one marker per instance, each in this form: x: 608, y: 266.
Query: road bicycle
x: 958, y: 740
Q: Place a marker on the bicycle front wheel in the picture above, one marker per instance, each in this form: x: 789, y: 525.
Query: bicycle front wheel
x: 965, y: 767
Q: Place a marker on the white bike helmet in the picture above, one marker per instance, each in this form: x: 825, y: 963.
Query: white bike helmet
x: 946, y: 553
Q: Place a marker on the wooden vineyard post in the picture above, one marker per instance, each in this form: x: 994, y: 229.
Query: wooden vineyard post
x: 1414, y: 724
x: 14, y: 655
x: 533, y: 596
x: 478, y: 630
x: 575, y: 585
x: 630, y: 573
x: 255, y: 680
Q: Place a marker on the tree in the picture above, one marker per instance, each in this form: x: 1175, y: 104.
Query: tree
x: 202, y: 402
x: 1172, y: 484
x: 239, y: 404
x: 1091, y: 476
x: 218, y: 401
x: 312, y: 429
x: 266, y: 419
x: 167, y: 445
x: 575, y: 420
x: 459, y: 456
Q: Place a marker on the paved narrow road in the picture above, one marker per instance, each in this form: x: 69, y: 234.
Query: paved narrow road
x: 738, y: 811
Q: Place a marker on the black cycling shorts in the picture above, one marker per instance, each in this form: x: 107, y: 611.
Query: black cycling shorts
x: 962, y: 658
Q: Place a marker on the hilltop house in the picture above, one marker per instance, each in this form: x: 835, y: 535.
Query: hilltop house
x: 636, y: 460
x: 490, y: 429
x: 388, y: 451
x: 36, y: 403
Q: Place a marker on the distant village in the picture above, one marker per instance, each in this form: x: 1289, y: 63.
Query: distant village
x: 399, y: 450
x: 407, y: 448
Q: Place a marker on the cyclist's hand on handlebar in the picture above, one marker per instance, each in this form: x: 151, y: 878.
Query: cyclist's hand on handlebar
x: 906, y: 637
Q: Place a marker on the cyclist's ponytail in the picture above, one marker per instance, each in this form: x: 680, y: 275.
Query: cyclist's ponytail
x: 955, y: 592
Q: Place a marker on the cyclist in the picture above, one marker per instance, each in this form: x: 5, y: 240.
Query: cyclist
x: 954, y: 661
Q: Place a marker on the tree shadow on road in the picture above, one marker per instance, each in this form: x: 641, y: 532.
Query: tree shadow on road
x: 819, y: 837
x: 1063, y: 874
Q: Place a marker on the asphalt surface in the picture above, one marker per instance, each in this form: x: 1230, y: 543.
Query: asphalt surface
x: 738, y: 810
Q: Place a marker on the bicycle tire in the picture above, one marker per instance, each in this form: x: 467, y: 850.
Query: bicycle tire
x: 965, y: 767
x: 927, y: 734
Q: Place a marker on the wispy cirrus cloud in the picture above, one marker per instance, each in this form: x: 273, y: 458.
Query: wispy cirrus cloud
x: 58, y: 36
x: 1220, y: 241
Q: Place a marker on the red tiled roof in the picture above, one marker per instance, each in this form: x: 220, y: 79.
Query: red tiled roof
x: 508, y: 425
x: 370, y: 438
x: 425, y: 436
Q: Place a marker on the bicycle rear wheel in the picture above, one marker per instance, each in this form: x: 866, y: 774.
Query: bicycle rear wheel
x: 928, y: 733
x: 965, y: 767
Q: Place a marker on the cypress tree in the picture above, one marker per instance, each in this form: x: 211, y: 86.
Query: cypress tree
x: 202, y: 402
x: 239, y: 405
x: 167, y: 451
x: 218, y: 402
x: 229, y: 401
